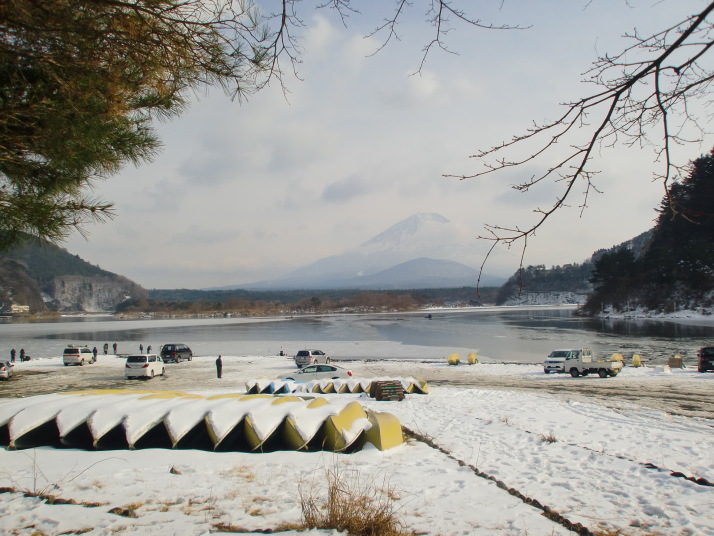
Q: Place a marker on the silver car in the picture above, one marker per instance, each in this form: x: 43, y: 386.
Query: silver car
x: 311, y: 357
x: 317, y: 372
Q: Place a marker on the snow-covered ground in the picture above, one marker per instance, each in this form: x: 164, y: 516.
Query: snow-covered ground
x: 617, y: 466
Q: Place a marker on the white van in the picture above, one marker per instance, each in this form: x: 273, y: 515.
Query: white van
x: 77, y: 355
x: 144, y: 366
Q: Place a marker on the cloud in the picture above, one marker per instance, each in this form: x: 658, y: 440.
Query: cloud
x: 346, y: 189
x: 242, y: 190
x: 200, y: 235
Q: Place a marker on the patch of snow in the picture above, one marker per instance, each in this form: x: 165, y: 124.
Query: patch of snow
x: 608, y: 466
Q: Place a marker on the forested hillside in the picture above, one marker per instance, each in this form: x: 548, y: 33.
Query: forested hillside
x: 676, y: 271
x: 18, y: 287
x: 569, y: 283
x: 45, y: 260
x: 47, y: 277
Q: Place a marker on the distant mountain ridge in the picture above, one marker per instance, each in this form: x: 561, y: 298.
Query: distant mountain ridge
x: 420, y: 251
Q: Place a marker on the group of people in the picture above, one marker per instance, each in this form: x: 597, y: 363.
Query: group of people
x: 23, y: 355
x: 106, y: 350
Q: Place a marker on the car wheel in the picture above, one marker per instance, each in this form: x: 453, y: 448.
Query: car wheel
x: 190, y: 357
x: 152, y: 373
x: 327, y: 360
x: 574, y: 372
x: 81, y: 363
x: 546, y: 371
x: 67, y: 364
x: 162, y: 371
x: 585, y: 372
x: 602, y: 373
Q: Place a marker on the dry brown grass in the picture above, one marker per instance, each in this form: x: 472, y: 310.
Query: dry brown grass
x: 134, y: 506
x: 243, y: 471
x: 357, y: 507
x: 548, y: 438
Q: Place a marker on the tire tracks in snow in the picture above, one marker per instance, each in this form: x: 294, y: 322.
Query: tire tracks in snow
x: 695, y: 402
x: 547, y: 511
x: 701, y: 481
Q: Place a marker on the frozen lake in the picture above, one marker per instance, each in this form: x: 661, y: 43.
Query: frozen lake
x: 496, y: 334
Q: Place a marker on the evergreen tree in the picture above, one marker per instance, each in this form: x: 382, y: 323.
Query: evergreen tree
x: 682, y: 247
x: 81, y: 81
x: 614, y: 277
x: 677, y: 267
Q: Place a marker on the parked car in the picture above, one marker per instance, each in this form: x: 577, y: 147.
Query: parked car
x: 77, y: 355
x: 175, y: 352
x: 706, y: 358
x: 5, y: 370
x: 144, y: 366
x: 317, y: 372
x: 310, y: 357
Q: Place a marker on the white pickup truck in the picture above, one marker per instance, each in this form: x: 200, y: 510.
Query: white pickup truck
x: 579, y: 361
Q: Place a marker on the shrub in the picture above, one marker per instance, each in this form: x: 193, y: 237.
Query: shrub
x: 547, y: 438
x: 359, y: 508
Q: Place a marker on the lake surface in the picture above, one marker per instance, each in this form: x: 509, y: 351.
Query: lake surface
x: 524, y: 335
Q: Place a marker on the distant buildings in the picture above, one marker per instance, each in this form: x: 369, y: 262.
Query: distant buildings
x: 19, y: 309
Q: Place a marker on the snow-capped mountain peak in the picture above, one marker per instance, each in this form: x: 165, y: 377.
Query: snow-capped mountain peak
x: 423, y: 250
x: 422, y: 226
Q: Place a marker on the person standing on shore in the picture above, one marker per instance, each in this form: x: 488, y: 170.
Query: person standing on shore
x: 219, y: 367
x: 13, y: 353
x: 141, y: 348
x: 94, y: 354
x: 115, y: 348
x: 22, y: 354
x: 106, y: 348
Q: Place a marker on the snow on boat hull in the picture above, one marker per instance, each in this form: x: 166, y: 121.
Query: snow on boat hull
x: 121, y: 419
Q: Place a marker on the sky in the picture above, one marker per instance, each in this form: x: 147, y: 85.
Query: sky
x: 247, y: 191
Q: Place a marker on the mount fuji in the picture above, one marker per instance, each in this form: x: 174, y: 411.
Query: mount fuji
x: 421, y: 251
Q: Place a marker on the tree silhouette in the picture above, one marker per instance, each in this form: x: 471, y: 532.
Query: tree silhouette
x: 676, y: 270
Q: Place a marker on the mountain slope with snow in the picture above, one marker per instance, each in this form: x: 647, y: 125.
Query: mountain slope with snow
x: 425, y: 250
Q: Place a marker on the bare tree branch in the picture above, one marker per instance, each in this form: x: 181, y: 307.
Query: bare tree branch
x: 440, y: 14
x: 637, y: 96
